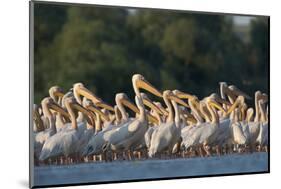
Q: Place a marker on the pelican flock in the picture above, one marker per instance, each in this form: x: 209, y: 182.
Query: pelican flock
x: 79, y: 127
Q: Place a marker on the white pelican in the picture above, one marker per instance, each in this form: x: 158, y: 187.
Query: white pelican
x: 203, y: 133
x: 209, y: 131
x: 225, y: 129
x: 56, y: 93
x: 168, y: 134
x: 127, y: 136
x: 157, y: 115
x: 144, y: 143
x: 262, y: 139
x: 67, y: 141
x: 98, y: 143
x: 41, y: 137
x: 254, y: 126
x: 98, y: 115
x: 237, y: 132
x: 189, y: 133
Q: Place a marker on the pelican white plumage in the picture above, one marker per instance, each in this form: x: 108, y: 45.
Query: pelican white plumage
x: 41, y: 137
x: 128, y: 136
x: 154, y: 112
x: 154, y: 120
x: 233, y: 133
x: 231, y: 129
x: 238, y: 134
x: 209, y: 131
x: 96, y: 130
x: 67, y: 142
x: 56, y: 93
x: 190, y: 134
x: 262, y: 139
x: 98, y: 143
x: 204, y: 132
x: 98, y: 116
x: 168, y: 134
x: 254, y: 126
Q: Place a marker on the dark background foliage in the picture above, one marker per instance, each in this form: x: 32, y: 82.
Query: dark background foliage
x: 103, y: 47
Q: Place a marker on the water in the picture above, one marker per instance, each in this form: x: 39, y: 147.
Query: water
x: 149, y: 169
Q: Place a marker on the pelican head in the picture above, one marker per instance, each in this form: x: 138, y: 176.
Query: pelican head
x: 123, y: 99
x: 168, y: 94
x: 140, y: 82
x: 79, y: 89
x: 89, y: 105
x: 55, y: 91
x: 258, y: 93
x: 51, y: 104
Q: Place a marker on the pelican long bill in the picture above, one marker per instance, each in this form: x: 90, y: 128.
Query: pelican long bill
x: 59, y: 109
x: 88, y: 116
x: 104, y: 105
x: 178, y: 100
x: 216, y: 105
x: 183, y: 95
x: 93, y: 109
x: 81, y: 90
x: 238, y: 101
x: 150, y: 104
x: 134, y: 108
x: 149, y: 87
x: 238, y: 92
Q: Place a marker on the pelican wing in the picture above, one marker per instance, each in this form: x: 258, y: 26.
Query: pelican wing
x: 164, y: 138
x: 62, y: 143
x: 125, y: 136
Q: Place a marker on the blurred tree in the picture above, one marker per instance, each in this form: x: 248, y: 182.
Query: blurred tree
x: 103, y: 47
x: 48, y: 21
x: 87, y: 49
x: 259, y: 54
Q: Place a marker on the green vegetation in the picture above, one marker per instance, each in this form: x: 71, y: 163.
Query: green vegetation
x: 103, y: 47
